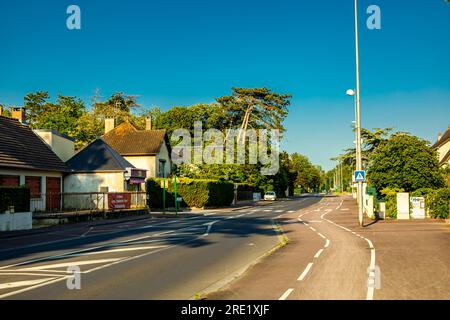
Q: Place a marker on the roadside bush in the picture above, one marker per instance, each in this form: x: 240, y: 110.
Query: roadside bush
x: 437, y: 203
x: 19, y: 197
x: 194, y: 193
x: 423, y: 192
x: 390, y: 197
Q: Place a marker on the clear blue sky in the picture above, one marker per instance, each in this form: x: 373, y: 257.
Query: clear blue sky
x: 182, y: 52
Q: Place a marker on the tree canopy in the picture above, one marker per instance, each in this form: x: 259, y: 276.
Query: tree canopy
x: 405, y: 162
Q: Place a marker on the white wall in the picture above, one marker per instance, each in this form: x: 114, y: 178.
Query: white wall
x: 62, y: 147
x: 91, y: 182
x: 443, y: 150
x: 16, y: 221
x: 143, y: 162
x: 164, y: 155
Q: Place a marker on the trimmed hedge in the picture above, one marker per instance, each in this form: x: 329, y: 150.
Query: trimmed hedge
x: 19, y: 197
x: 438, y: 203
x: 195, y: 193
x: 390, y: 197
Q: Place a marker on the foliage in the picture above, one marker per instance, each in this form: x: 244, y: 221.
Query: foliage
x: 390, y: 198
x: 195, y: 193
x: 438, y: 203
x: 307, y: 176
x: 19, y: 197
x: 406, y: 162
x: 61, y: 116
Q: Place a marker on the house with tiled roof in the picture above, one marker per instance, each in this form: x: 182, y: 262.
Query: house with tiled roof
x: 442, y: 146
x: 26, y: 159
x: 147, y: 149
x: 99, y: 168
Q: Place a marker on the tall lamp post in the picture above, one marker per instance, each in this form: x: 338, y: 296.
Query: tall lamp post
x: 358, y: 121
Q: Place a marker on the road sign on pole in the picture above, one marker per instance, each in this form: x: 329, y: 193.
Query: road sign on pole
x: 360, y: 176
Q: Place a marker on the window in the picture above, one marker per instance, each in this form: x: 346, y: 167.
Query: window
x: 9, y: 181
x: 162, y: 168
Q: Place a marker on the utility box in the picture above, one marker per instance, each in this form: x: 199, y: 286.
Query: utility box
x: 402, y: 206
x: 382, y: 211
x: 418, y: 207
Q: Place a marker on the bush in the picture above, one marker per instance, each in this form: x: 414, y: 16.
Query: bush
x: 437, y: 203
x: 390, y: 197
x: 19, y: 197
x: 194, y: 193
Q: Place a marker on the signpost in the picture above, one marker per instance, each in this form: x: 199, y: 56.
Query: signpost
x: 175, y: 193
x: 360, y: 176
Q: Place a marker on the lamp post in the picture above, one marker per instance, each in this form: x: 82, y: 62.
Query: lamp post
x: 358, y: 120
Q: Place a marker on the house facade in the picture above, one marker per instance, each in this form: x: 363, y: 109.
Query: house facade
x: 442, y: 146
x: 26, y: 160
x: 147, y: 149
x: 99, y: 168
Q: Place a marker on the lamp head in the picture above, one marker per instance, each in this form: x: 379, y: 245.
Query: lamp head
x: 350, y: 92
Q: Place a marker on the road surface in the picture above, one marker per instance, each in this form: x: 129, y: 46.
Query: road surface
x: 144, y: 259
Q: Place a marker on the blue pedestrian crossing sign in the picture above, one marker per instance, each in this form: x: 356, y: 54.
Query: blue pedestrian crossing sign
x: 360, y: 176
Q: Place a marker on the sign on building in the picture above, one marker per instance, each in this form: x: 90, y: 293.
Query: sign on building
x: 118, y: 201
x: 418, y: 207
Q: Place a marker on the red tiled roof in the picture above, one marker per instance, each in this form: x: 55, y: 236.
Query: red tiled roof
x: 126, y: 139
x: 21, y: 148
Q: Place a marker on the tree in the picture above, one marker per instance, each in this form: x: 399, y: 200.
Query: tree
x: 256, y: 108
x: 61, y: 116
x: 405, y: 161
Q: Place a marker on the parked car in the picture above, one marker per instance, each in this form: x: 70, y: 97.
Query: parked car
x: 270, y: 196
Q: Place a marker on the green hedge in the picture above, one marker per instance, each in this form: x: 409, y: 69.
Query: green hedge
x: 195, y: 193
x: 19, y: 197
x: 389, y: 196
x: 437, y: 203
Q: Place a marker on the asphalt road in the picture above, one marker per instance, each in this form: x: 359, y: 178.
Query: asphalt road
x: 142, y: 259
x: 329, y: 256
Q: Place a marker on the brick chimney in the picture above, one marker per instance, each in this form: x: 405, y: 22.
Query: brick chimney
x: 109, y: 124
x: 439, y: 136
x: 148, y: 123
x: 18, y: 114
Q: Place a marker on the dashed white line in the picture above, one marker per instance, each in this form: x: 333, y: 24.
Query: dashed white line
x: 327, y: 243
x: 318, y: 253
x: 321, y: 235
x: 286, y: 294
x: 305, y: 272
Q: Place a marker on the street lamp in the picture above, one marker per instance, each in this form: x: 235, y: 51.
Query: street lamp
x: 358, y: 120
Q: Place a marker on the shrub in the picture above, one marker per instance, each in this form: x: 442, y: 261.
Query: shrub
x: 19, y: 197
x: 437, y: 203
x: 423, y: 192
x: 194, y: 193
x: 390, y: 197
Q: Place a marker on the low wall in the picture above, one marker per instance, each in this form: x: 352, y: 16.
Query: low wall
x: 16, y: 221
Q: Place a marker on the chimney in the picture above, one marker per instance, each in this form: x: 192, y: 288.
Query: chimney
x: 148, y: 123
x: 1, y: 109
x: 439, y: 136
x: 109, y: 124
x: 18, y: 114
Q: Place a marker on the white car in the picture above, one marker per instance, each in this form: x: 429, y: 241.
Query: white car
x: 270, y: 196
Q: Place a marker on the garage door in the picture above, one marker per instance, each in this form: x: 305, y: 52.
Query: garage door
x: 53, y: 193
x: 34, y: 183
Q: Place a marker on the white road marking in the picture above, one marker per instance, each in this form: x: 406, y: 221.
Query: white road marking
x: 313, y: 229
x: 321, y: 235
x: 327, y: 243
x: 305, y: 272
x: 68, y: 264
x: 286, y: 294
x: 318, y: 253
x: 23, y: 283
x: 115, y: 250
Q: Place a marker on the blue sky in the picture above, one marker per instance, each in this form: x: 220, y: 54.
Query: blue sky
x: 184, y: 52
